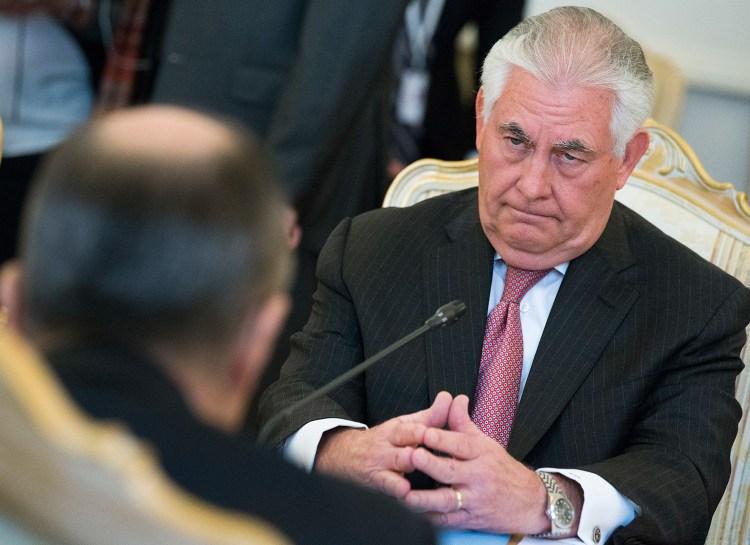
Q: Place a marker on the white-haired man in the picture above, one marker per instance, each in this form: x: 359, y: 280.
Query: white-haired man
x: 589, y: 390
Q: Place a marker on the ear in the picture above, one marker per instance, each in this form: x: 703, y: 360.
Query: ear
x: 634, y: 150
x: 478, y: 106
x: 11, y: 294
x: 255, y: 344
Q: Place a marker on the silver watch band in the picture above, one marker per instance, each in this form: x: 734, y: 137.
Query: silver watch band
x: 553, y: 490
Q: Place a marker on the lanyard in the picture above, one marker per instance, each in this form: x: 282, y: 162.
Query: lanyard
x: 420, y: 28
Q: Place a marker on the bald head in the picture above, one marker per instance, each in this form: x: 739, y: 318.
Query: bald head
x: 166, y: 133
x: 155, y: 223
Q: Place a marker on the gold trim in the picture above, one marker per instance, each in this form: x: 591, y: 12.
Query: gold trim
x: 672, y: 158
x: 425, y: 173
x: 127, y: 463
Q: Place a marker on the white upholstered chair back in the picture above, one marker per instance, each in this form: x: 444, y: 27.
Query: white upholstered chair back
x: 672, y: 190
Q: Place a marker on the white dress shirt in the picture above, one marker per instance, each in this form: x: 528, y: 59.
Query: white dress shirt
x: 604, y: 508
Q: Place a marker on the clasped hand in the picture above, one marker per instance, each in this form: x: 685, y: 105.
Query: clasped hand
x: 497, y: 493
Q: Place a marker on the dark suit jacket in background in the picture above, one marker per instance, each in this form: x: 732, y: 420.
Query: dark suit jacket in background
x: 449, y: 125
x: 111, y: 382
x: 633, y: 378
x: 312, y: 77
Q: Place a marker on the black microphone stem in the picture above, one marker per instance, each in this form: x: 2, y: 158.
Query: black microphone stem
x: 338, y: 381
x: 445, y: 315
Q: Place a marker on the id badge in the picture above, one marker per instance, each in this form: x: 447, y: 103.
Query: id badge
x: 411, y: 100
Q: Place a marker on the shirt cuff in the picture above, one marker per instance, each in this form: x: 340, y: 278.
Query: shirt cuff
x: 300, y: 448
x: 604, y: 508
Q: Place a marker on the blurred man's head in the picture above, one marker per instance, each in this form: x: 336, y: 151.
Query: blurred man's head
x: 163, y: 229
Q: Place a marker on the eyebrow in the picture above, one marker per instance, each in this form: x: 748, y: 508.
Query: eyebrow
x: 576, y: 144
x: 515, y: 129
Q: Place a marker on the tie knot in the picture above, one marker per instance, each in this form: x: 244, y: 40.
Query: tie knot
x: 519, y: 281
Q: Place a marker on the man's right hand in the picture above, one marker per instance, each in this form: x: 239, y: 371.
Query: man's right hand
x: 380, y: 456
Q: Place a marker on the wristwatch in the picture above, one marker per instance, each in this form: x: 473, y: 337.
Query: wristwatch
x: 560, y: 510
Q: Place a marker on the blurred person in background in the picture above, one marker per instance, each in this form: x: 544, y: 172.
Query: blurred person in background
x: 46, y: 90
x: 313, y: 78
x: 437, y: 57
x: 154, y: 276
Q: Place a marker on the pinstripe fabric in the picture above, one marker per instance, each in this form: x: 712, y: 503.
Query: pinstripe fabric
x: 634, y: 374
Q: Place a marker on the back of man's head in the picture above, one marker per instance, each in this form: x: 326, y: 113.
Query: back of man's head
x: 153, y: 225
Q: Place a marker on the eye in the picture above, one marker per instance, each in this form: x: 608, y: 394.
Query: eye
x: 516, y: 142
x: 568, y: 158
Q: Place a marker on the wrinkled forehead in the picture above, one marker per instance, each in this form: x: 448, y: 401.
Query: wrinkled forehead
x: 563, y: 112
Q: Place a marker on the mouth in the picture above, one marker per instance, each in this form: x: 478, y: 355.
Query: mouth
x: 526, y: 215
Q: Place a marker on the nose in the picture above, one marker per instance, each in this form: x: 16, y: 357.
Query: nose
x: 534, y: 181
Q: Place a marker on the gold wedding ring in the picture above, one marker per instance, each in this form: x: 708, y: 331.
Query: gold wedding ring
x: 459, y: 500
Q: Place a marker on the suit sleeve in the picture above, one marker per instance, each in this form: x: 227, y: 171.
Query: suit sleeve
x: 343, y: 49
x: 329, y: 345
x: 689, y: 417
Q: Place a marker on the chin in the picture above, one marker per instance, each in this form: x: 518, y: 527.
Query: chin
x: 527, y: 260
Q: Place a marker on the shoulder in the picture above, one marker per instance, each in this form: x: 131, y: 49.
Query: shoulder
x: 442, y: 208
x: 673, y: 266
x: 423, y: 221
x: 401, y: 234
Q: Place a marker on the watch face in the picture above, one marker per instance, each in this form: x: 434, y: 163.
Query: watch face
x: 562, y: 512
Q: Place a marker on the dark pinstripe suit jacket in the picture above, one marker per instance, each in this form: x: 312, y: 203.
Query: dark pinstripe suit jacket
x: 633, y: 378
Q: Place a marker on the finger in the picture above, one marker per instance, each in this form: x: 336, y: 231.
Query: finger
x: 391, y: 483
x: 454, y: 444
x: 457, y: 519
x: 442, y: 469
x: 458, y: 416
x: 405, y: 434
x: 434, y: 416
x: 438, y: 500
x: 400, y: 460
x: 437, y: 415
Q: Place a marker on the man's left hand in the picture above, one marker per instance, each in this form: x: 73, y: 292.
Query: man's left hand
x: 497, y: 493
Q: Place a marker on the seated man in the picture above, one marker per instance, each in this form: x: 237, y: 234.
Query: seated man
x: 595, y: 349
x: 154, y: 276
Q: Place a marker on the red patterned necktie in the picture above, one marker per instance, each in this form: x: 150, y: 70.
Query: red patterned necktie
x: 502, y: 358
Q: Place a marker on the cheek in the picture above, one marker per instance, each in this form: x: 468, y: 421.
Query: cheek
x: 585, y: 207
x: 496, y: 178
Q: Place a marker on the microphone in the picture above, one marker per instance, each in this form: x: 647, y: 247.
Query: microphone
x: 444, y: 316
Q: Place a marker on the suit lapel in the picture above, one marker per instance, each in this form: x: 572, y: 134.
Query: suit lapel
x: 590, y: 305
x: 460, y: 269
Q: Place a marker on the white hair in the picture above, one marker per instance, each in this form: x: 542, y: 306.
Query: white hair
x: 578, y: 46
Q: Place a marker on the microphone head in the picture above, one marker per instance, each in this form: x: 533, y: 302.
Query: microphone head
x: 447, y: 314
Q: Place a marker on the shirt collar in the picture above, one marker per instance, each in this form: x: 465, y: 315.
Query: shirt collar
x: 562, y: 268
